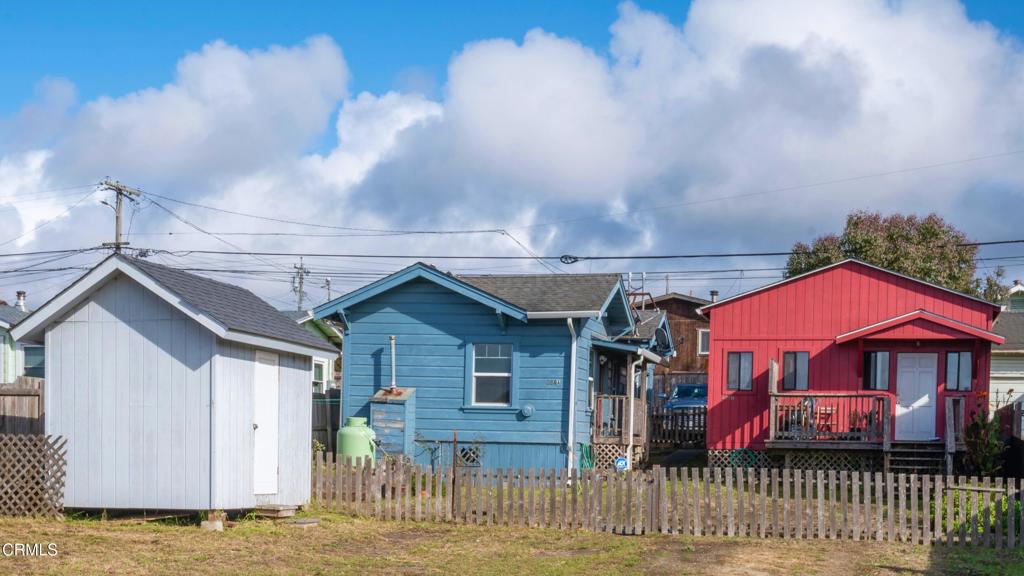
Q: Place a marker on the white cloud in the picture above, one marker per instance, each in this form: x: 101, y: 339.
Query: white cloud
x: 745, y: 96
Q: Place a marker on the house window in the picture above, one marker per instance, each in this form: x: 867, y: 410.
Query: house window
x: 35, y: 361
x: 959, y: 371
x: 319, y: 376
x: 876, y: 370
x: 794, y: 370
x: 492, y: 374
x: 703, y: 342
x: 740, y: 375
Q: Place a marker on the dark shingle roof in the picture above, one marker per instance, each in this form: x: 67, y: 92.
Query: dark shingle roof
x: 647, y: 322
x: 295, y: 315
x: 548, y: 292
x: 233, y: 307
x: 11, y: 314
x: 1010, y: 325
x: 678, y: 296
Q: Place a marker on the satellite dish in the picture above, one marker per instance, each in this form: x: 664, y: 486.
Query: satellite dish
x: 661, y: 337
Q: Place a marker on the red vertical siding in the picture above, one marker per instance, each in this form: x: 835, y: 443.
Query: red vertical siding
x: 807, y: 314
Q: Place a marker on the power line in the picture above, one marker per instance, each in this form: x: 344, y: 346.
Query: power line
x: 820, y: 183
x: 383, y: 231
x: 794, y: 188
x: 51, y: 220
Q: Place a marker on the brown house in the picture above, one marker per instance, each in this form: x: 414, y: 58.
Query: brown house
x: 692, y: 342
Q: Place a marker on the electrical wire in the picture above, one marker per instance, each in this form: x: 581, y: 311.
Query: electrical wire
x: 51, y: 220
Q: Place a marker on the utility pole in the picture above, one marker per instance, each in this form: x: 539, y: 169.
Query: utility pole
x: 299, y: 282
x: 121, y: 191
x: 327, y: 285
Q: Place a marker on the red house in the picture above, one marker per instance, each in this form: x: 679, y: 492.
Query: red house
x: 848, y: 366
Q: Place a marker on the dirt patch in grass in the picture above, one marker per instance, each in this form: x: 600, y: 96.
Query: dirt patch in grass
x: 348, y: 545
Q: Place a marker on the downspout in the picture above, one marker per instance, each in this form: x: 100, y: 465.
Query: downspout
x: 571, y: 443
x: 632, y: 400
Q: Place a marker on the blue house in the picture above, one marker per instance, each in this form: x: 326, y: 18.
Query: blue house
x: 488, y: 366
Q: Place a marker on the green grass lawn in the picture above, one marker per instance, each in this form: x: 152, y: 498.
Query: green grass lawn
x: 346, y: 545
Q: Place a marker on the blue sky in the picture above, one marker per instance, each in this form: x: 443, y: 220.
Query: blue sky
x: 629, y: 128
x: 114, y: 48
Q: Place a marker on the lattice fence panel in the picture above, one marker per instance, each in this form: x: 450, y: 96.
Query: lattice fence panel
x: 605, y: 455
x: 32, y: 475
x: 832, y: 460
x: 741, y: 458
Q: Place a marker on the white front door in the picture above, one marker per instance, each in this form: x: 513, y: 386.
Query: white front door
x: 916, y: 387
x: 264, y: 423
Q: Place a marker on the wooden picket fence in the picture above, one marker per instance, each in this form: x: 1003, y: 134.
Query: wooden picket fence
x: 757, y: 503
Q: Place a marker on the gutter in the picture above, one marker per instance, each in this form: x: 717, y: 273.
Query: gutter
x: 571, y: 443
x: 563, y: 314
x: 632, y: 411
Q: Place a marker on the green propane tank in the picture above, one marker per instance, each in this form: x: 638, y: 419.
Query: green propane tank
x: 356, y: 440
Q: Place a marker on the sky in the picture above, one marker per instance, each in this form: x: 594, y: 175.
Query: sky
x: 588, y: 128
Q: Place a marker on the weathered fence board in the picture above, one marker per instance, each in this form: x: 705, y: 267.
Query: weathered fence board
x: 731, y: 502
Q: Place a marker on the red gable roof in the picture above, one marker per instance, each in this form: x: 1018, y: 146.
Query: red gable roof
x: 922, y: 318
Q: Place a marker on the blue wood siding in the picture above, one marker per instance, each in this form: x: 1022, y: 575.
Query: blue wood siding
x: 433, y: 327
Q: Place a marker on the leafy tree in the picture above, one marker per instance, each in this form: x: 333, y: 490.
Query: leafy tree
x: 927, y: 248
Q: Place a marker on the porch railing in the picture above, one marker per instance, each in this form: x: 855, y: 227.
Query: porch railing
x: 611, y: 419
x: 823, y: 417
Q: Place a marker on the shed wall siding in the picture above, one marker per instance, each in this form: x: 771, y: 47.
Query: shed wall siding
x: 233, y: 433
x: 432, y: 326
x: 128, y: 383
x: 807, y: 315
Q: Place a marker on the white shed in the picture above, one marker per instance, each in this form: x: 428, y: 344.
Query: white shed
x: 175, y: 391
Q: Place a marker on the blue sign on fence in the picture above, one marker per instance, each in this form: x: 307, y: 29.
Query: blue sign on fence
x: 621, y: 463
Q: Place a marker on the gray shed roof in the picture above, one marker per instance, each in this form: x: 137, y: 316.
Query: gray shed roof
x: 1010, y: 325
x: 232, y: 306
x: 548, y: 292
x: 11, y: 315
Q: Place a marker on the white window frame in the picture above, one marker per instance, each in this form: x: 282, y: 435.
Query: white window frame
x: 23, y: 368
x: 706, y: 351
x: 324, y: 375
x: 508, y: 374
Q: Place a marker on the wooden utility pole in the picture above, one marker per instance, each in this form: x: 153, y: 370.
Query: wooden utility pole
x: 327, y: 285
x: 121, y: 191
x: 299, y: 281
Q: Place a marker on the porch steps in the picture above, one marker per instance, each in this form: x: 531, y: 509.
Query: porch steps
x: 916, y: 458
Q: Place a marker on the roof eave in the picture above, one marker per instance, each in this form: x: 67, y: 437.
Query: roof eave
x: 895, y: 321
x: 996, y: 307
x: 418, y: 270
x: 557, y: 315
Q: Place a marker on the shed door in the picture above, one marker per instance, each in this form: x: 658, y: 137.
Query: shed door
x: 916, y: 388
x: 264, y: 423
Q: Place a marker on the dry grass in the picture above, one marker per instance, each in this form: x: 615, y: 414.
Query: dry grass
x: 343, y: 544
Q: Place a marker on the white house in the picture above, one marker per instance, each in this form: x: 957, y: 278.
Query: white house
x: 1007, y: 376
x: 175, y: 392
